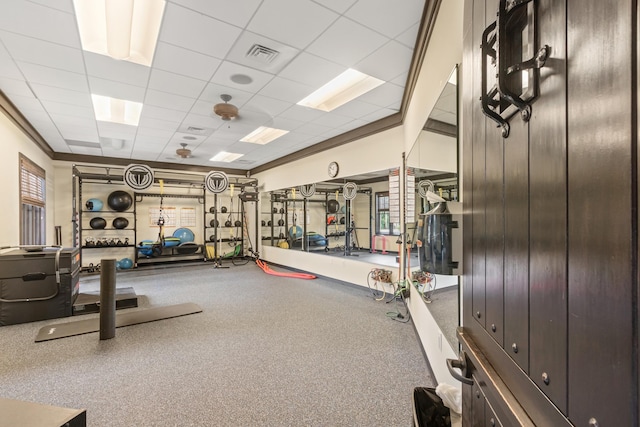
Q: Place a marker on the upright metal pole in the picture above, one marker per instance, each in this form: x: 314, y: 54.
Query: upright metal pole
x: 107, y: 299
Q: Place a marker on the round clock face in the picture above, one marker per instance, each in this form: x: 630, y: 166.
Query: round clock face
x: 333, y: 169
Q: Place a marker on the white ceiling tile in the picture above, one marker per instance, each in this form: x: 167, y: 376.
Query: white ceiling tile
x: 8, y: 67
x: 104, y: 67
x: 213, y: 91
x: 280, y: 122
x: 86, y: 151
x: 355, y: 109
x: 286, y: 90
x: 61, y: 5
x: 339, y: 6
x: 154, y: 112
x: 15, y: 87
x: 53, y: 77
x: 27, y: 49
x: 149, y: 122
x: 379, y: 114
x: 192, y: 30
x: 168, y: 100
x: 390, y: 19
x: 62, y: 119
x: 333, y: 119
x: 207, y: 120
x: 116, y: 130
x: 39, y: 22
x: 383, y: 95
x: 183, y: 61
x: 273, y: 20
x: 311, y: 70
x: 388, y: 62
x: 237, y: 15
x: 228, y: 69
x: 79, y: 133
x: 346, y: 42
x: 69, y: 110
x: 409, y: 37
x: 303, y: 114
x: 176, y: 84
x: 400, y: 80
x: 65, y: 96
x: 312, y: 129
x: 116, y: 90
x: 266, y: 105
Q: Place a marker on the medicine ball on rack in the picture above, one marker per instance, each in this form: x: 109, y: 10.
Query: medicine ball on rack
x: 120, y: 223
x: 281, y: 236
x: 238, y: 223
x: 119, y: 201
x: 281, y: 222
x: 228, y: 223
x: 333, y: 206
x: 223, y: 209
x: 343, y: 220
x: 214, y: 222
x: 93, y: 205
x: 212, y: 209
x: 263, y: 223
x: 212, y: 238
x: 97, y: 223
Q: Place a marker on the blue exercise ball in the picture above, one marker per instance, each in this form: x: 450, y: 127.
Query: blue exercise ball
x: 184, y: 234
x: 125, y: 263
x: 93, y: 205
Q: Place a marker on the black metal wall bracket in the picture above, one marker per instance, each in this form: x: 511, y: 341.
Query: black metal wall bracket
x: 504, y: 43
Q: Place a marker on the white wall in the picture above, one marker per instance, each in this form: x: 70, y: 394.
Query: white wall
x: 14, y: 142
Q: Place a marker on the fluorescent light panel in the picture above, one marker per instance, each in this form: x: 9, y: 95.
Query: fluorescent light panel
x: 264, y: 135
x: 122, y: 29
x: 344, y: 88
x: 116, y: 110
x: 226, y: 157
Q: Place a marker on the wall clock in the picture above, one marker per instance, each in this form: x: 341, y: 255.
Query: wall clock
x: 333, y: 169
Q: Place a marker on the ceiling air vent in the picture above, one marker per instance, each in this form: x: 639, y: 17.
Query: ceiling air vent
x: 262, y: 53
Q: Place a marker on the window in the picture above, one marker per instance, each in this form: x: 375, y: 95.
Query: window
x: 383, y: 224
x: 32, y: 203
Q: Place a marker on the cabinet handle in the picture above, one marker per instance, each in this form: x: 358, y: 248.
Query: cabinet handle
x: 460, y: 363
x: 505, y: 42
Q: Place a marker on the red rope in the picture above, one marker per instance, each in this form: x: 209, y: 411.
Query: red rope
x: 263, y: 265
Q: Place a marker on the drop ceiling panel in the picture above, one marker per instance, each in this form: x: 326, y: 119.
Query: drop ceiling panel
x: 408, y: 37
x: 355, y: 109
x: 274, y: 20
x: 388, y: 62
x: 8, y: 68
x: 153, y: 112
x: 311, y: 70
x: 79, y: 133
x: 116, y: 130
x: 269, y: 106
x: 346, y: 42
x: 40, y: 22
x: 271, y: 57
x: 27, y: 49
x: 237, y: 15
x: 227, y: 69
x: 86, y: 151
x: 116, y: 90
x: 213, y: 91
x: 339, y: 6
x: 71, y: 110
x: 148, y: 122
x: 176, y: 84
x: 15, y: 87
x: 168, y: 100
x: 390, y: 19
x: 103, y: 67
x: 303, y: 114
x: 183, y: 61
x: 333, y: 119
x: 383, y: 95
x: 198, y: 32
x: 286, y: 90
x: 53, y: 77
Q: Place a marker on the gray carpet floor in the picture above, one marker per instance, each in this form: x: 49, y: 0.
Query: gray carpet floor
x: 265, y: 351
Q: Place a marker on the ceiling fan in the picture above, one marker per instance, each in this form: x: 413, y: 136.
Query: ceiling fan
x: 225, y: 110
x: 184, y: 152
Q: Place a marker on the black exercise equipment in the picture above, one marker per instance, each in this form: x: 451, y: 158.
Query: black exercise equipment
x: 214, y: 223
x: 38, y: 283
x: 69, y: 329
x: 269, y: 223
x: 89, y: 302
x: 238, y: 223
x: 97, y: 223
x: 228, y: 223
x: 212, y: 238
x: 343, y: 220
x: 275, y: 210
x: 120, y: 223
x: 187, y: 248
x: 223, y: 209
x: 212, y: 209
x: 281, y: 222
x: 263, y: 223
x: 281, y: 210
x: 333, y: 206
x: 119, y: 200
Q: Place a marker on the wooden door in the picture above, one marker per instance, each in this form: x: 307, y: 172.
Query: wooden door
x: 550, y: 287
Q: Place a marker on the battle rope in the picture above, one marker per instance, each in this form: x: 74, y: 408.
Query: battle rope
x: 268, y: 270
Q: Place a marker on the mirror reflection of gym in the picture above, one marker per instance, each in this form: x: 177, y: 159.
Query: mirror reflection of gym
x: 433, y: 164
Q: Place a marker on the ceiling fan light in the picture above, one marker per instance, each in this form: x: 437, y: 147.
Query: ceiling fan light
x: 226, y: 111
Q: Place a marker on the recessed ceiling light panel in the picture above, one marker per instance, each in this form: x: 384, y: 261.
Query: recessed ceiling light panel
x: 226, y: 157
x: 264, y: 135
x: 116, y: 110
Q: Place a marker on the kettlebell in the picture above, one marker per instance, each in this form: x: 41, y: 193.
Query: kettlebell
x: 282, y: 235
x: 212, y: 209
x: 281, y: 210
x: 275, y: 210
x: 212, y: 238
x: 214, y: 222
x: 228, y: 223
x: 263, y: 223
x: 281, y: 222
x: 223, y: 209
x: 342, y: 220
x: 238, y: 223
x: 269, y: 223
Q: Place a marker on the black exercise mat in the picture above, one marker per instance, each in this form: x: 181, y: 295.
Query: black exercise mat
x: 89, y: 302
x: 69, y: 329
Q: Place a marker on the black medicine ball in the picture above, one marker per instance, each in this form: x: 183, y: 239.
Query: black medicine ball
x: 97, y: 223
x: 275, y: 210
x: 281, y: 210
x: 281, y: 222
x: 119, y: 201
x: 120, y: 223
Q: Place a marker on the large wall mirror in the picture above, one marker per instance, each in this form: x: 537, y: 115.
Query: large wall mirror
x: 437, y: 144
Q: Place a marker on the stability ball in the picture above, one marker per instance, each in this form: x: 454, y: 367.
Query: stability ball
x: 125, y: 263
x: 119, y: 201
x: 184, y: 234
x: 97, y: 223
x: 93, y: 205
x: 120, y: 223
